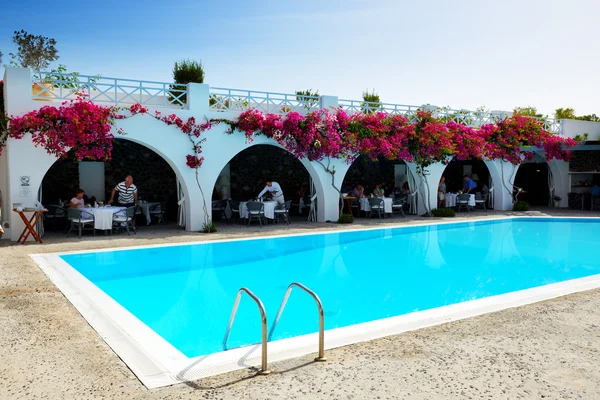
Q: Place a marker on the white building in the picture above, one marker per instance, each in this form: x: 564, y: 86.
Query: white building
x: 21, y: 159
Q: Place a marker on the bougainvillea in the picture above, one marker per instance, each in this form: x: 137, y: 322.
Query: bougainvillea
x: 78, y: 125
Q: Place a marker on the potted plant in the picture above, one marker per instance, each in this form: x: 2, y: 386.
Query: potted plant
x: 35, y: 52
x: 556, y: 200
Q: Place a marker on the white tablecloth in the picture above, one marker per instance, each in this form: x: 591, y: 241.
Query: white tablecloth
x: 451, y: 200
x: 146, y: 210
x: 103, y: 216
x: 269, y: 209
x: 387, y: 204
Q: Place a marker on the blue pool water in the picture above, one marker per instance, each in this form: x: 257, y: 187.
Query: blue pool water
x: 185, y: 293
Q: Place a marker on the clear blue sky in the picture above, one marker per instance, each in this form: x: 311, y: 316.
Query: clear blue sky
x: 497, y: 54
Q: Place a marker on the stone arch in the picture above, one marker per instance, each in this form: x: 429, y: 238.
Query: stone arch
x: 559, y: 170
x: 502, y: 199
x: 411, y: 167
x: 221, y: 148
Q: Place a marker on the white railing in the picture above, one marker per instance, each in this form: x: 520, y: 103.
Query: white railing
x: 222, y: 99
x: 58, y: 86
x: 470, y: 118
x: 369, y: 107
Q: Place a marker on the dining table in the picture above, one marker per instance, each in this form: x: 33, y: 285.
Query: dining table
x: 387, y: 204
x: 269, y: 209
x: 146, y: 206
x: 103, y: 216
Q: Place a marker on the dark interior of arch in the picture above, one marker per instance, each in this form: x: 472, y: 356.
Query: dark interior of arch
x: 252, y: 167
x: 532, y: 177
x: 368, y: 173
x: 455, y: 170
x: 154, y: 177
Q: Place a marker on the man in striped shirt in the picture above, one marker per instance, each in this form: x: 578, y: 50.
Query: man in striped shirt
x: 128, y: 194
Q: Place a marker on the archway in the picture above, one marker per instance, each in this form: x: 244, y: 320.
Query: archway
x: 244, y: 176
x: 483, y: 173
x: 532, y: 182
x: 394, y: 176
x: 156, y: 181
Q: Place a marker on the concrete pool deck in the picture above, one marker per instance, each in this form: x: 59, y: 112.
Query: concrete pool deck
x: 551, y: 349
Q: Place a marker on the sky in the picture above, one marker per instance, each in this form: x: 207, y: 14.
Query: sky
x: 462, y: 53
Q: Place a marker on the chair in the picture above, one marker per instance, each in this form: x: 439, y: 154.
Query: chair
x: 234, y: 206
x: 398, y: 204
x: 481, y: 200
x: 218, y: 208
x: 159, y: 211
x: 79, y: 220
x: 56, y: 214
x: 355, y: 204
x: 124, y: 219
x: 283, y: 210
x: 256, y: 210
x: 377, y: 205
x: 462, y: 200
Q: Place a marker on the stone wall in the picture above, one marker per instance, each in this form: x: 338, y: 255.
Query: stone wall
x: 154, y: 178
x: 369, y: 173
x: 584, y: 161
x: 251, y: 168
x: 61, y: 181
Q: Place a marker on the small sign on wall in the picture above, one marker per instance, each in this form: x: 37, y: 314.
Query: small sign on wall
x: 25, y: 190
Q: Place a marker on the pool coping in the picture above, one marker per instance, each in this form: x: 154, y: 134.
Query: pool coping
x: 157, y: 363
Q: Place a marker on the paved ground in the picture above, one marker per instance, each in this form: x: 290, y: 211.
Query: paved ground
x: 545, y: 350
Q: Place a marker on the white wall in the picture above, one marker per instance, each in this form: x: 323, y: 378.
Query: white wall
x: 572, y: 128
x: 21, y: 158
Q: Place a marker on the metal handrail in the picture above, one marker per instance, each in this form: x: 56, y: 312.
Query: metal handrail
x: 321, y: 356
x: 263, y: 369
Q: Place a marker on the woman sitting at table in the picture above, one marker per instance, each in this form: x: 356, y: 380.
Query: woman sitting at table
x: 77, y: 201
x: 378, y: 192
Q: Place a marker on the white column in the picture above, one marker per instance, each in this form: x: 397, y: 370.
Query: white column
x: 329, y: 102
x: 328, y: 205
x: 560, y: 174
x: 198, y: 99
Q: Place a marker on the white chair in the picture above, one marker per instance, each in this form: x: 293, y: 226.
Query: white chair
x: 480, y: 200
x: 124, y: 219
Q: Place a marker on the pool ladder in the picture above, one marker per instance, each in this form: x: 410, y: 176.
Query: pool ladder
x: 264, y: 369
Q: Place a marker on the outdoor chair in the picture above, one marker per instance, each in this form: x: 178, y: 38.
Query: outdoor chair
x: 218, y: 209
x: 481, y: 200
x: 124, y: 219
x: 355, y: 204
x: 56, y: 214
x: 256, y: 210
x: 234, y: 206
x: 462, y: 200
x: 283, y: 211
x: 398, y: 204
x: 377, y: 205
x: 159, y: 211
x: 80, y: 220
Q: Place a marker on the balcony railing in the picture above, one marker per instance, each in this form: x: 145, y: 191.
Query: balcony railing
x: 237, y: 100
x: 117, y: 91
x: 369, y: 107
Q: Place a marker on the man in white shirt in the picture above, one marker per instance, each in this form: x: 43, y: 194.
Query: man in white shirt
x: 275, y: 190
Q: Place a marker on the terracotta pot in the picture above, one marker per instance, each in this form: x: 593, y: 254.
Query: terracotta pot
x: 43, y: 91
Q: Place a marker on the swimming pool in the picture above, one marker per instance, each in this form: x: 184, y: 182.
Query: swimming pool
x: 185, y: 293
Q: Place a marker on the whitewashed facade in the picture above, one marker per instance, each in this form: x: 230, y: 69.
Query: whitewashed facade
x: 20, y: 158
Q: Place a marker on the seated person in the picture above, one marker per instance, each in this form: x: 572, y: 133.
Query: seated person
x: 93, y: 201
x: 378, y: 192
x: 77, y: 201
x: 358, y: 192
x: 468, y: 185
x: 405, y: 188
x: 595, y: 190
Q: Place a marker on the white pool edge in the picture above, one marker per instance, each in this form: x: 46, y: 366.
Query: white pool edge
x: 157, y: 363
